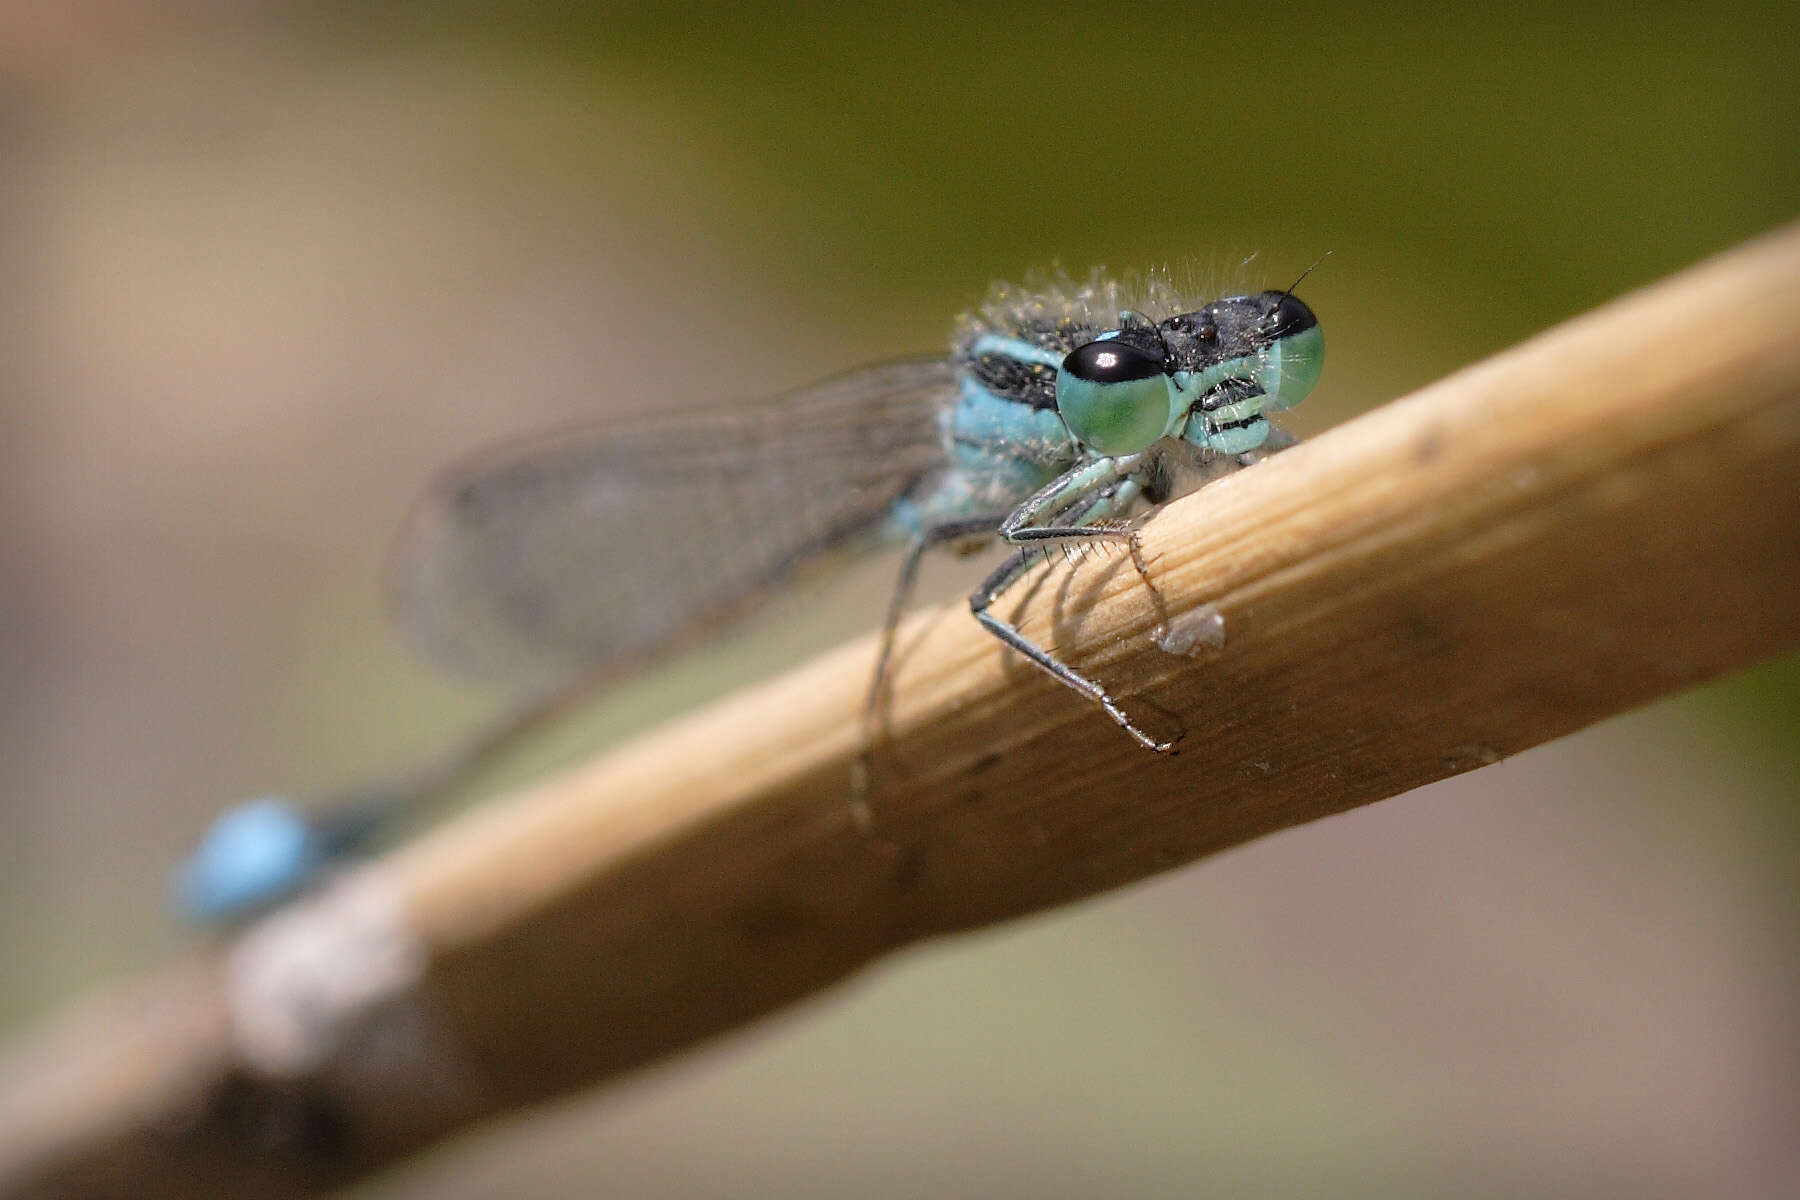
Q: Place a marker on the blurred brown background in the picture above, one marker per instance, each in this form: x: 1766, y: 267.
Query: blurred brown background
x: 264, y: 267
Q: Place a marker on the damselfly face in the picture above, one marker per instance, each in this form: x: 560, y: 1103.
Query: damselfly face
x: 1133, y: 386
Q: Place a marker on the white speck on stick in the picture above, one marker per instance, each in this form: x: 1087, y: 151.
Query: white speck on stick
x: 300, y: 983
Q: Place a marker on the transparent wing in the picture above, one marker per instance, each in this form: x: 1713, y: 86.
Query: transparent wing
x: 577, y: 552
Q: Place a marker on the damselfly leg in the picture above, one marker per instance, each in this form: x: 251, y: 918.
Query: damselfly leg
x: 1085, y: 506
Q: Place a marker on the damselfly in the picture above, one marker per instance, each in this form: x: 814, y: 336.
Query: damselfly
x: 1059, y: 411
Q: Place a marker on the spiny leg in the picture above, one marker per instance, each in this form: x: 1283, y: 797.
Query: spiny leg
x: 1080, y: 507
x: 933, y: 535
x: 1099, y: 533
x: 1085, y: 506
x: 1003, y: 577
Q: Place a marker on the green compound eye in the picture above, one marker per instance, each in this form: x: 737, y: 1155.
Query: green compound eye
x: 1291, y: 362
x: 1114, y: 396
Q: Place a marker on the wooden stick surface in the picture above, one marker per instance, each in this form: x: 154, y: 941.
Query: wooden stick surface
x: 1603, y: 515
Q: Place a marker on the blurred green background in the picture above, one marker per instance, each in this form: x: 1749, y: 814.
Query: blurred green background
x: 264, y: 267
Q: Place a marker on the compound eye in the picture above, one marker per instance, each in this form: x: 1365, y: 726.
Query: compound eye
x: 1293, y: 350
x: 1114, y: 396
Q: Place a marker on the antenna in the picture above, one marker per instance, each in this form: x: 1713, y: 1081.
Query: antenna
x: 1296, y: 283
x: 1304, y: 274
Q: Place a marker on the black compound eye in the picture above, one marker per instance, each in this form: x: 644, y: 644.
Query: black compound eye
x: 1284, y: 314
x: 1112, y: 361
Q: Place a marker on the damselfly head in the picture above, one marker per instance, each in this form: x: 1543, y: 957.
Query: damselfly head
x: 1131, y: 386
